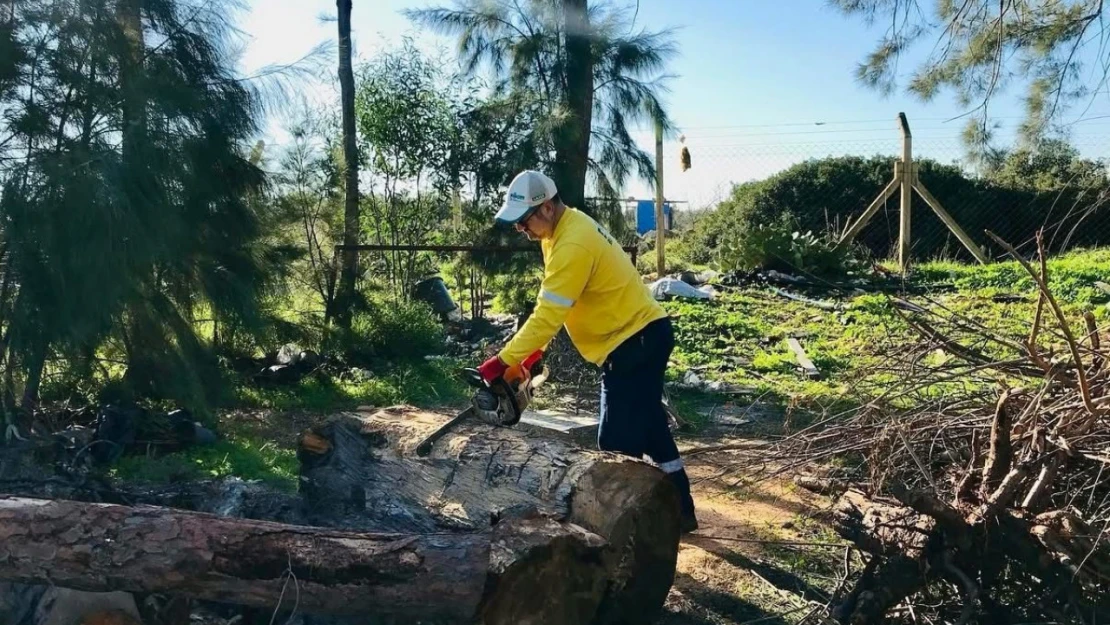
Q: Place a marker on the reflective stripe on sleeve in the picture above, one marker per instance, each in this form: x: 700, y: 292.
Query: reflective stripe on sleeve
x: 555, y: 298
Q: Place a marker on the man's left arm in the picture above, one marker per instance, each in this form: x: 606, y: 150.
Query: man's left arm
x: 565, y: 278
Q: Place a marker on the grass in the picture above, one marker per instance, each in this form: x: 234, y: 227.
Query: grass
x: 432, y: 383
x: 235, y: 455
x: 740, y: 337
x: 1071, y: 276
x: 260, y: 447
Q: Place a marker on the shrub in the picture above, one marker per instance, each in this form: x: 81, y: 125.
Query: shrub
x: 674, y: 255
x: 515, y: 293
x: 389, y: 330
x: 824, y: 195
x: 781, y: 248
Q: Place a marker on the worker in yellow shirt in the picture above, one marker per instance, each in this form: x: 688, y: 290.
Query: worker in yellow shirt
x: 591, y: 286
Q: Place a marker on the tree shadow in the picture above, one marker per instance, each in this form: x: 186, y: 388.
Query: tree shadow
x: 704, y: 605
x: 780, y: 578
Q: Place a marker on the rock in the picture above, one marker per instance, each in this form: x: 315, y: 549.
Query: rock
x: 309, y: 359
x: 18, y: 602
x: 115, y: 431
x: 63, y: 606
x: 692, y: 380
x: 289, y: 354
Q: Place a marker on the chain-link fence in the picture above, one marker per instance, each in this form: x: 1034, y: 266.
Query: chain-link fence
x: 823, y: 180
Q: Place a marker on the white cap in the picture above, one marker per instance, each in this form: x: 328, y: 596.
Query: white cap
x: 529, y: 188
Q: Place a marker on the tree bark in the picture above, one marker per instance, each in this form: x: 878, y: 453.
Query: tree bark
x: 350, y: 156
x: 572, y: 140
x: 101, y: 547
x: 363, y: 465
x: 129, y: 18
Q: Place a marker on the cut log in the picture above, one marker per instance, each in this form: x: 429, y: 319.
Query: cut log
x: 364, y: 464
x: 543, y: 572
x: 101, y: 547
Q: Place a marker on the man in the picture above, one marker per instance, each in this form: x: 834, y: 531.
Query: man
x: 592, y: 287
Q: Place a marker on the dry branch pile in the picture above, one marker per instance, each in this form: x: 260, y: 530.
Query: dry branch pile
x: 976, y: 502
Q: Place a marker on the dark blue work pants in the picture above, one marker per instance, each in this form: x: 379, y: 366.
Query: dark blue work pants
x: 633, y: 420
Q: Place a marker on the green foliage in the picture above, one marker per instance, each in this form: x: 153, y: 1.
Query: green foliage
x: 985, y: 45
x: 237, y: 456
x: 133, y: 202
x: 1051, y: 165
x: 824, y: 195
x: 781, y: 248
x: 516, y: 293
x: 407, y: 123
x: 676, y: 255
x: 1071, y: 276
x: 524, y: 44
x: 389, y: 330
x: 434, y: 383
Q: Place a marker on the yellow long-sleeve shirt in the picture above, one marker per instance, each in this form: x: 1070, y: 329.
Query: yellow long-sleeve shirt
x: 591, y: 286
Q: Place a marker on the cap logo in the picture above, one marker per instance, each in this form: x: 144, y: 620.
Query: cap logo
x: 539, y: 196
x: 516, y: 196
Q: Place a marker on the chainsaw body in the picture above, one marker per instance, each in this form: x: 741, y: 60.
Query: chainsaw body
x: 500, y: 403
x: 503, y: 401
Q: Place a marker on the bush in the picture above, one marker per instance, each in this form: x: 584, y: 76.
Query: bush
x: 674, y: 255
x: 825, y: 195
x: 516, y: 293
x: 389, y: 330
x: 782, y: 248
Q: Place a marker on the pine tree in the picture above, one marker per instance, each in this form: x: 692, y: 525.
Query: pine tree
x: 981, y: 47
x: 127, y: 196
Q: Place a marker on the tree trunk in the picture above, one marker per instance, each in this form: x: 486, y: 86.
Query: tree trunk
x: 129, y: 18
x: 572, y: 140
x: 364, y: 465
x: 350, y: 157
x: 35, y: 366
x: 101, y: 547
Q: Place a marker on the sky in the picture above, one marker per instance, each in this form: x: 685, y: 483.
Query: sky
x: 755, y: 88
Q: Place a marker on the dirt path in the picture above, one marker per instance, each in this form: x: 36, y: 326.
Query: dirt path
x: 735, y: 569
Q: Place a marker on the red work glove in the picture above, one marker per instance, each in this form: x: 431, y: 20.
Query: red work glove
x: 492, y: 369
x: 532, y: 361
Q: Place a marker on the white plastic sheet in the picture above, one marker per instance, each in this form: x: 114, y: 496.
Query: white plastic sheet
x: 670, y: 287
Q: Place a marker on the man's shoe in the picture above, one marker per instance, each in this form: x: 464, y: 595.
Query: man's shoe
x: 688, y: 523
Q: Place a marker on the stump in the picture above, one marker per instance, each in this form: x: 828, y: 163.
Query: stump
x: 363, y: 464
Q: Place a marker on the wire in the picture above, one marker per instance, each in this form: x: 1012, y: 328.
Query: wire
x: 890, y: 120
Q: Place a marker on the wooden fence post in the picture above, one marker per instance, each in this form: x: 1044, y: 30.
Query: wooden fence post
x: 660, y: 238
x: 908, y: 177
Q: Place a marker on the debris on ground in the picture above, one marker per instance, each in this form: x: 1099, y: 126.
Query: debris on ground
x: 699, y: 278
x: 666, y: 288
x: 804, y: 362
x: 823, y: 305
x: 976, y: 502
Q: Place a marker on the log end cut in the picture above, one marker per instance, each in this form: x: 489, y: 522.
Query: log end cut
x: 635, y: 507
x: 543, y: 572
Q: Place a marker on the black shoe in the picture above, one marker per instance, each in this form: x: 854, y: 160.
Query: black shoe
x: 688, y: 523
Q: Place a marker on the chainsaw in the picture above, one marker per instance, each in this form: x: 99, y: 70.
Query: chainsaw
x: 500, y: 403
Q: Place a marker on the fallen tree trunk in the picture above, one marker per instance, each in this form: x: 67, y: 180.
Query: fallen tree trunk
x: 363, y: 464
x: 101, y: 547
